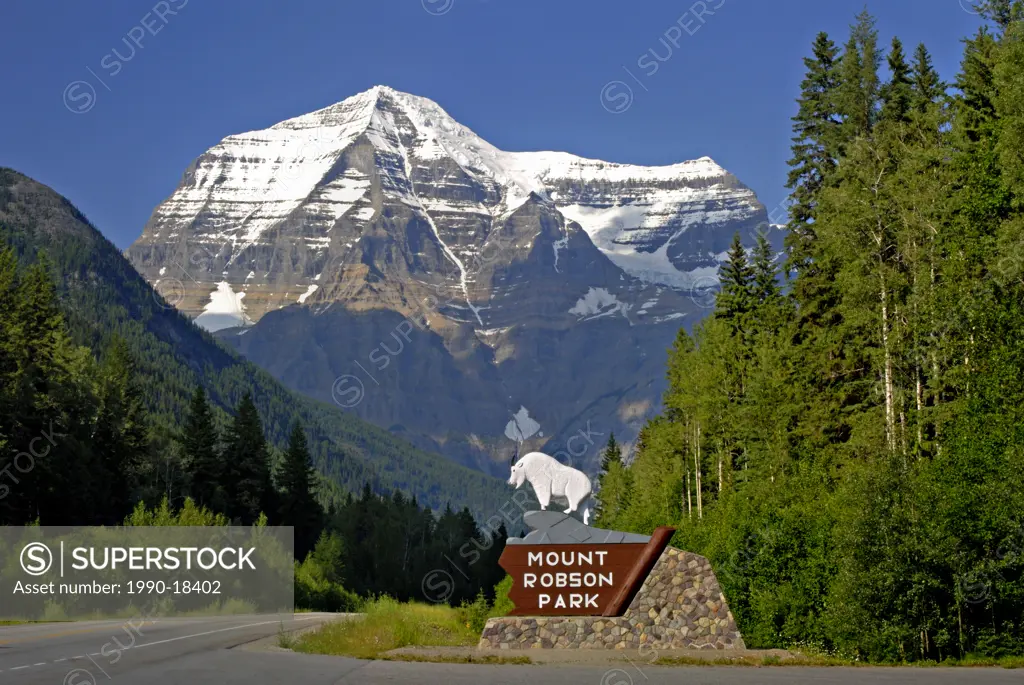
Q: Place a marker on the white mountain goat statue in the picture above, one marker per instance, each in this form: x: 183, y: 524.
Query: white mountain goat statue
x: 550, y: 478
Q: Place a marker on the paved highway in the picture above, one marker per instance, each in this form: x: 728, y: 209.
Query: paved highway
x: 193, y: 651
x: 215, y: 651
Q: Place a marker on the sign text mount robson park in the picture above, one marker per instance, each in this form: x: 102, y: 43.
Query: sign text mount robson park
x: 565, y: 568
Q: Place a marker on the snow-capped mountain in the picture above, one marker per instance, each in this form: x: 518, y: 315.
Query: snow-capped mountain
x: 538, y: 290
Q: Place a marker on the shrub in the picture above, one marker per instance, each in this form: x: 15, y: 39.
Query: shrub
x: 475, y: 614
x: 318, y: 579
x: 503, y: 606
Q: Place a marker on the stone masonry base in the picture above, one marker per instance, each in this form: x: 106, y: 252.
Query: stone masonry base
x: 680, y: 605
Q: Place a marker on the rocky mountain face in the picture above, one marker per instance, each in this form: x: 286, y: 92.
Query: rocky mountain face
x: 379, y: 255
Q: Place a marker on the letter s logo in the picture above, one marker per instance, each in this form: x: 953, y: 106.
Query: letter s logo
x: 79, y: 97
x: 36, y: 559
x: 616, y: 97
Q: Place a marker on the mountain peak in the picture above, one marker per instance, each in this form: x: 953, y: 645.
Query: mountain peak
x: 274, y: 209
x: 360, y: 104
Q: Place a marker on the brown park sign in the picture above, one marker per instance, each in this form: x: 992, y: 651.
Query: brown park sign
x: 580, y: 579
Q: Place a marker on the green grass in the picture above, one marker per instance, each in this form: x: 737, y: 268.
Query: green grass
x: 285, y: 640
x: 486, y: 659
x: 388, y: 625
x: 969, y: 661
x: 824, y: 660
x: 752, y: 660
x: 23, y: 623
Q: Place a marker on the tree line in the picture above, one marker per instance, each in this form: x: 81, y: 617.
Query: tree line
x: 843, y: 436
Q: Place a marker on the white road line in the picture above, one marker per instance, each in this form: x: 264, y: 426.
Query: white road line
x: 100, y: 667
x: 211, y: 632
x: 160, y: 642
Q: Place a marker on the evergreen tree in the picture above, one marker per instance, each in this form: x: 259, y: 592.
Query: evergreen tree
x: 14, y: 507
x: 8, y: 351
x: 815, y: 151
x: 975, y: 109
x: 53, y: 408
x: 41, y: 327
x: 772, y: 311
x: 297, y: 482
x: 201, y: 454
x: 897, y: 93
x: 927, y: 88
x: 614, y: 494
x: 121, y: 436
x: 248, y: 485
x: 815, y: 129
x: 858, y: 88
x: 612, y: 453
x: 736, y: 277
x: 8, y: 309
x: 612, y: 486
x: 765, y: 285
x: 1009, y: 103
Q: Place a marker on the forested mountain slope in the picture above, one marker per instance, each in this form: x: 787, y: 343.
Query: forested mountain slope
x: 102, y: 295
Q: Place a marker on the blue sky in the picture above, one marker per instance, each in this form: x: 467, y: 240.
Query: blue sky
x: 524, y: 74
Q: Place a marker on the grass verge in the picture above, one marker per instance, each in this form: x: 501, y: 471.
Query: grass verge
x: 459, y: 658
x: 285, y: 640
x: 822, y: 660
x: 388, y: 625
x: 751, y: 660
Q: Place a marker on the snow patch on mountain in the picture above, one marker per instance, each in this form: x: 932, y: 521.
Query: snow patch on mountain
x: 606, y: 226
x: 521, y: 427
x: 225, y: 309
x: 596, y: 303
x: 550, y: 164
x: 669, y: 317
